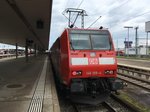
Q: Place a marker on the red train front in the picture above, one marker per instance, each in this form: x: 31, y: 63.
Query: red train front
x: 85, y: 63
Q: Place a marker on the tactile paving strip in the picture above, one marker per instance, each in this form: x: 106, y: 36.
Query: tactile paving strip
x: 37, y: 99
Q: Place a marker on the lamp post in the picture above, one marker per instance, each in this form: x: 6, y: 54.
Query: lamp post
x: 136, y: 40
x: 128, y: 27
x: 147, y: 29
x: 147, y: 53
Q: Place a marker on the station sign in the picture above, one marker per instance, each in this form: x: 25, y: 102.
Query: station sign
x: 147, y: 26
x: 128, y: 44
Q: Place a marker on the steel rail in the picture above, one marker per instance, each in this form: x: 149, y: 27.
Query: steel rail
x: 125, y: 103
x: 106, y: 106
x: 109, y: 107
x: 142, y: 85
x: 135, y: 76
x: 75, y: 108
x: 135, y: 70
x: 137, y: 73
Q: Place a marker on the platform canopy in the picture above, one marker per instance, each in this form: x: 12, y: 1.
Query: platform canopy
x: 22, y: 20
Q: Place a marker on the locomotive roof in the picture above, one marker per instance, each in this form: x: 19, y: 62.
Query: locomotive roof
x: 86, y: 29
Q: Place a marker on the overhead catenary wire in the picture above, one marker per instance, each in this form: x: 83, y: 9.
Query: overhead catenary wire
x: 139, y: 15
x: 63, y: 13
x: 122, y: 4
x: 77, y: 8
x: 66, y: 4
x: 132, y: 18
x: 119, y: 6
x: 113, y: 8
x: 80, y: 4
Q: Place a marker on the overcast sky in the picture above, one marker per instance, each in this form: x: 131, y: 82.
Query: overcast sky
x: 115, y: 15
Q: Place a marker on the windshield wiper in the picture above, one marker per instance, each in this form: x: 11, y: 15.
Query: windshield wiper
x: 110, y: 46
x: 72, y: 46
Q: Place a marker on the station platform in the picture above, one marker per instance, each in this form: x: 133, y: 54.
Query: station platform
x: 135, y: 63
x: 27, y: 86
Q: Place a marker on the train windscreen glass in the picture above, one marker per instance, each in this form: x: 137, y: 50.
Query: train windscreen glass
x: 100, y: 42
x: 83, y: 39
x: 80, y: 41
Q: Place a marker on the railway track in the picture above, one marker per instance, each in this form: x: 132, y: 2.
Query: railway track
x: 112, y: 104
x: 104, y: 107
x: 109, y: 107
x: 136, y: 76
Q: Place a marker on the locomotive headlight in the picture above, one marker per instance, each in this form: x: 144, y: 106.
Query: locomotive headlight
x: 109, y: 72
x: 77, y: 73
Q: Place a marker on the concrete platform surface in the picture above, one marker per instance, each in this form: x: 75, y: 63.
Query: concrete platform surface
x: 133, y: 62
x: 27, y: 87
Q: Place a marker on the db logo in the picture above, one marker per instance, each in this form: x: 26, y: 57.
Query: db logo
x: 93, y: 61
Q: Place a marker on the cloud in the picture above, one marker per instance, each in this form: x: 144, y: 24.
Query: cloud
x: 115, y: 15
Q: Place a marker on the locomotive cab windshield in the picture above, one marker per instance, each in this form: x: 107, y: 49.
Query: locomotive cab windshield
x: 90, y: 40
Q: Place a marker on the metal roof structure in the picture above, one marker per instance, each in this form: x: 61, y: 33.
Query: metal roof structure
x: 25, y: 19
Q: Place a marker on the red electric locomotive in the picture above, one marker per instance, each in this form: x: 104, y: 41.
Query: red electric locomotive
x: 85, y: 63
